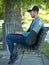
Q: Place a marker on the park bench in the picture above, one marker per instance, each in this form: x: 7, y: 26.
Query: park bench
x: 36, y: 46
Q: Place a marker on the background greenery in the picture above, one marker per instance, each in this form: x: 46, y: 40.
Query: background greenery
x: 45, y: 48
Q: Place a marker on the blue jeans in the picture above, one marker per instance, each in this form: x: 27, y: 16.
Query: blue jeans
x: 14, y: 38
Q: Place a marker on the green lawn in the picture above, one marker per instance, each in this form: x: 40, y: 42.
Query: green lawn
x: 0, y: 30
x: 45, y: 49
x: 0, y: 46
x: 0, y: 35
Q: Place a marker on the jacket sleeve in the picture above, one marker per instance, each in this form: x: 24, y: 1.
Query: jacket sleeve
x: 37, y: 27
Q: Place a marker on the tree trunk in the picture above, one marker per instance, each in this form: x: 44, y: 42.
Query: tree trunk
x: 12, y: 17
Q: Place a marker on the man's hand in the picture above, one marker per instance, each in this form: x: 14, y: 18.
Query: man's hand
x: 18, y: 32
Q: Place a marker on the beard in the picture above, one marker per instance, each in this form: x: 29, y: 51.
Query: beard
x: 33, y: 16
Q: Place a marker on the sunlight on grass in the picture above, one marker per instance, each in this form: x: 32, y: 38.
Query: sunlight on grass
x: 45, y: 49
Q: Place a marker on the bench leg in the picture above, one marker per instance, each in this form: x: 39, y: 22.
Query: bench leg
x: 41, y: 57
x: 42, y: 60
x: 21, y: 57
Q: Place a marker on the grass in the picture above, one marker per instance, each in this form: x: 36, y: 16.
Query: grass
x: 45, y: 49
x: 0, y: 46
x: 0, y: 35
x: 0, y: 30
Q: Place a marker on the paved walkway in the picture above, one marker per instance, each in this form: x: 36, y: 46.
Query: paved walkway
x: 27, y: 60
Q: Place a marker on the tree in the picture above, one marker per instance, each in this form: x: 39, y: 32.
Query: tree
x: 1, y: 10
x: 12, y: 17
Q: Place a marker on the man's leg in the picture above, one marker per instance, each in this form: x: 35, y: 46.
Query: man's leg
x: 14, y: 38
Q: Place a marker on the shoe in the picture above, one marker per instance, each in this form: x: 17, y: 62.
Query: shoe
x: 13, y: 58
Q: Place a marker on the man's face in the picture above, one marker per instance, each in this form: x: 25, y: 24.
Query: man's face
x: 32, y: 13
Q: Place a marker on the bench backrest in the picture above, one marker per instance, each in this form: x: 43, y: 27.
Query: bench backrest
x: 40, y: 38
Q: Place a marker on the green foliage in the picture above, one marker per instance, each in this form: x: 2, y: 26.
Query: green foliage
x: 1, y: 9
x: 25, y: 4
x: 0, y: 30
x: 0, y: 46
x: 46, y: 2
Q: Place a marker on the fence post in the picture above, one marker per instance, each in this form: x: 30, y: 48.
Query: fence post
x: 4, y: 34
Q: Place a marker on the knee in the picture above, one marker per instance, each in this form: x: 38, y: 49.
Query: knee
x: 7, y: 37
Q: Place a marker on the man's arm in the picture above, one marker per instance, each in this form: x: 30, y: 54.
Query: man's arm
x: 37, y: 27
x: 18, y: 32
x: 21, y: 32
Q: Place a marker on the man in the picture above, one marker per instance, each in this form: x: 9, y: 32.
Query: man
x: 19, y: 37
